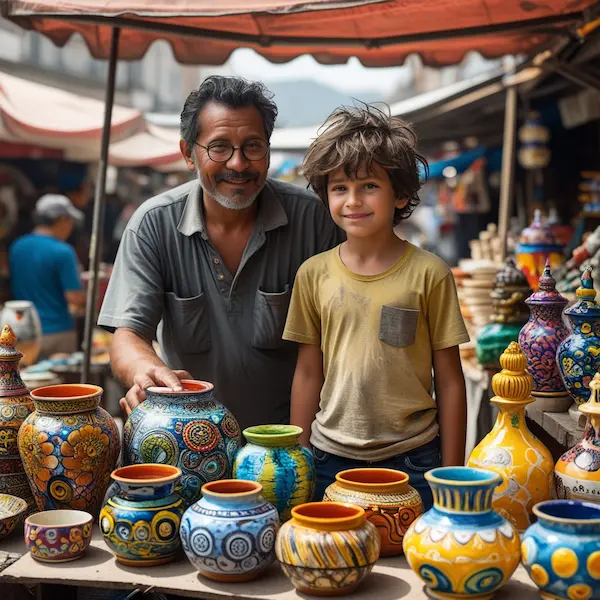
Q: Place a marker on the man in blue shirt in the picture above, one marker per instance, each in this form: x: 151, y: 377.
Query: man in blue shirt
x: 44, y: 269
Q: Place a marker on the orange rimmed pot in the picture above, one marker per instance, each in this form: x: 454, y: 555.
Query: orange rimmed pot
x: 327, y: 548
x: 389, y: 501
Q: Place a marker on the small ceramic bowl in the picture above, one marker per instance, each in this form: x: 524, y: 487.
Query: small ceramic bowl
x: 58, y: 535
x: 11, y: 510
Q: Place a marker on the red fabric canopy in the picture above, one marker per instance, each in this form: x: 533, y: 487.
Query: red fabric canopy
x: 379, y: 33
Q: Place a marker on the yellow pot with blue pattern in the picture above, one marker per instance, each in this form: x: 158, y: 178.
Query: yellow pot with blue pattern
x: 561, y: 552
x: 461, y: 548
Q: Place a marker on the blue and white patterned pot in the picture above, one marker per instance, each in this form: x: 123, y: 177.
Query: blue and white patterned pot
x: 229, y: 535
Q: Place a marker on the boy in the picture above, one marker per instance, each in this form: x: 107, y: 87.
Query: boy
x: 375, y: 315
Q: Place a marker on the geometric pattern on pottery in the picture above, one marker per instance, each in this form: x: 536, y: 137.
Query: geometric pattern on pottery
x: 57, y: 544
x: 12, y: 509
x: 68, y: 406
x: 328, y: 581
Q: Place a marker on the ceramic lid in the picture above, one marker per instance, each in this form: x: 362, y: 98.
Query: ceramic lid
x: 538, y: 236
x: 586, y: 306
x: 547, y: 293
x: 511, y: 275
x: 8, y: 342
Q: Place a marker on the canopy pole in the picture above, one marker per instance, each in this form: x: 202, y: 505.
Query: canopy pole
x: 99, y: 203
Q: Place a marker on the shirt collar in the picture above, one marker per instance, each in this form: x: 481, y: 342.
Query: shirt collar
x: 271, y: 213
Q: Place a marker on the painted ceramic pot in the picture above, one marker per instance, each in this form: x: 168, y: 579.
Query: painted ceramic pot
x: 188, y: 429
x: 140, y: 523
x: 390, y: 503
x: 275, y: 459
x: 578, y: 357
x: 511, y: 450
x: 57, y: 536
x: 540, y: 338
x: 12, y: 510
x: 461, y: 548
x: 327, y: 548
x: 229, y: 535
x: 24, y: 319
x: 15, y: 406
x: 69, y: 446
x: 577, y: 471
x: 561, y: 552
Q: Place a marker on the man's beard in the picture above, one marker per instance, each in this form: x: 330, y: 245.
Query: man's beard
x: 226, y: 201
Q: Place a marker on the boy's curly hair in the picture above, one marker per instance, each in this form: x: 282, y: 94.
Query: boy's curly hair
x: 360, y: 136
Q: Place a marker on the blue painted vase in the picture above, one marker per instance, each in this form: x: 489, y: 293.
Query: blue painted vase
x: 140, y: 524
x: 229, y: 535
x: 461, y: 548
x: 275, y: 459
x: 561, y: 552
x: 578, y: 357
x: 188, y: 429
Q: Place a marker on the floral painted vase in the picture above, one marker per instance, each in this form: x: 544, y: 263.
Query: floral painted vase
x: 229, y: 535
x: 578, y: 356
x: 461, y: 548
x: 561, y: 552
x: 188, y: 429
x: 327, y: 548
x: 69, y: 446
x: 511, y: 450
x: 577, y: 471
x: 275, y: 459
x: 140, y: 523
x: 15, y: 406
x: 539, y: 339
x: 24, y: 319
x: 390, y: 503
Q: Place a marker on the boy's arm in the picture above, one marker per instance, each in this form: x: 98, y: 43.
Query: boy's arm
x: 306, y: 389
x: 451, y: 400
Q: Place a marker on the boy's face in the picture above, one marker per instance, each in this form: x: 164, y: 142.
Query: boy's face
x: 363, y: 205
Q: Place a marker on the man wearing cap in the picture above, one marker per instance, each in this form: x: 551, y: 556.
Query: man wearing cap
x: 45, y: 271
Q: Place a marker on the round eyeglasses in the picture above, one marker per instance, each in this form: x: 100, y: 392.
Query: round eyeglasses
x: 222, y: 151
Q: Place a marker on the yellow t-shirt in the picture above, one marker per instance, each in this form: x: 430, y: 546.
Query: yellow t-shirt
x: 377, y: 334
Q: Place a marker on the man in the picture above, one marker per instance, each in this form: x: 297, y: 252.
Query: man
x: 211, y: 263
x: 44, y: 270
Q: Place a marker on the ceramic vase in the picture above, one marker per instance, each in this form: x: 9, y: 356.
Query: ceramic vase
x: 578, y: 470
x: 327, y: 548
x: 229, y: 535
x: 15, y: 406
x: 274, y: 458
x: 24, y: 319
x: 140, y: 523
x: 539, y: 339
x: 511, y: 450
x: 461, y: 548
x: 188, y: 429
x: 390, y: 503
x: 69, y: 446
x: 561, y: 552
x: 578, y: 356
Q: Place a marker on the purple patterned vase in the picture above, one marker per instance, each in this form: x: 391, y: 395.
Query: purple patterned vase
x: 540, y: 338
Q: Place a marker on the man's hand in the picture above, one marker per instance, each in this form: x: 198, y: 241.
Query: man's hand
x: 153, y: 376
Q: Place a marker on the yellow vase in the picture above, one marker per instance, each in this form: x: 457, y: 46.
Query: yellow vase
x: 511, y: 450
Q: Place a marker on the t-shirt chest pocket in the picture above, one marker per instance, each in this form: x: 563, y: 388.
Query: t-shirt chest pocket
x: 398, y: 326
x: 188, y: 322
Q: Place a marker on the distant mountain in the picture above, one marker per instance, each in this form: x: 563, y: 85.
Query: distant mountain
x: 304, y: 102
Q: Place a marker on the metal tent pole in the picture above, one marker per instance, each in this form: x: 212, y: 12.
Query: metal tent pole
x: 99, y: 203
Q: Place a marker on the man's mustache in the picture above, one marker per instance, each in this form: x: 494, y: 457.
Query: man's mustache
x: 235, y: 175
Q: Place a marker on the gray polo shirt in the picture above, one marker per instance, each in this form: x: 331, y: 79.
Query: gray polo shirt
x: 169, y: 283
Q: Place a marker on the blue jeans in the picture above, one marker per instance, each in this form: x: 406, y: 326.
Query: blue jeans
x: 414, y: 463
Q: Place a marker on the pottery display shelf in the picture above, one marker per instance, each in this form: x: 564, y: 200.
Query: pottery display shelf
x: 391, y: 578
x: 559, y: 426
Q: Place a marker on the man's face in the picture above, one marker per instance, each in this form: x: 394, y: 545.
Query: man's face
x: 234, y: 184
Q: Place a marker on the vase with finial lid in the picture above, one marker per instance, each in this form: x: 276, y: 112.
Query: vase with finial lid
x: 510, y: 449
x: 15, y: 406
x: 578, y: 356
x: 540, y: 338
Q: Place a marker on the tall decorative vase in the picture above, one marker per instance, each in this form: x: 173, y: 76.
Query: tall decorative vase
x: 24, y: 319
x: 578, y: 470
x: 284, y: 468
x: 540, y: 338
x: 69, y: 447
x: 15, y: 407
x: 461, y: 548
x: 511, y: 450
x: 188, y: 429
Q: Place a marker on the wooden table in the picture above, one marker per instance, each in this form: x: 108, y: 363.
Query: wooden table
x: 391, y: 579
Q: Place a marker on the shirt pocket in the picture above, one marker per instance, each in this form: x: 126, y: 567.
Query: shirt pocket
x: 189, y: 323
x: 270, y: 312
x: 398, y: 326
